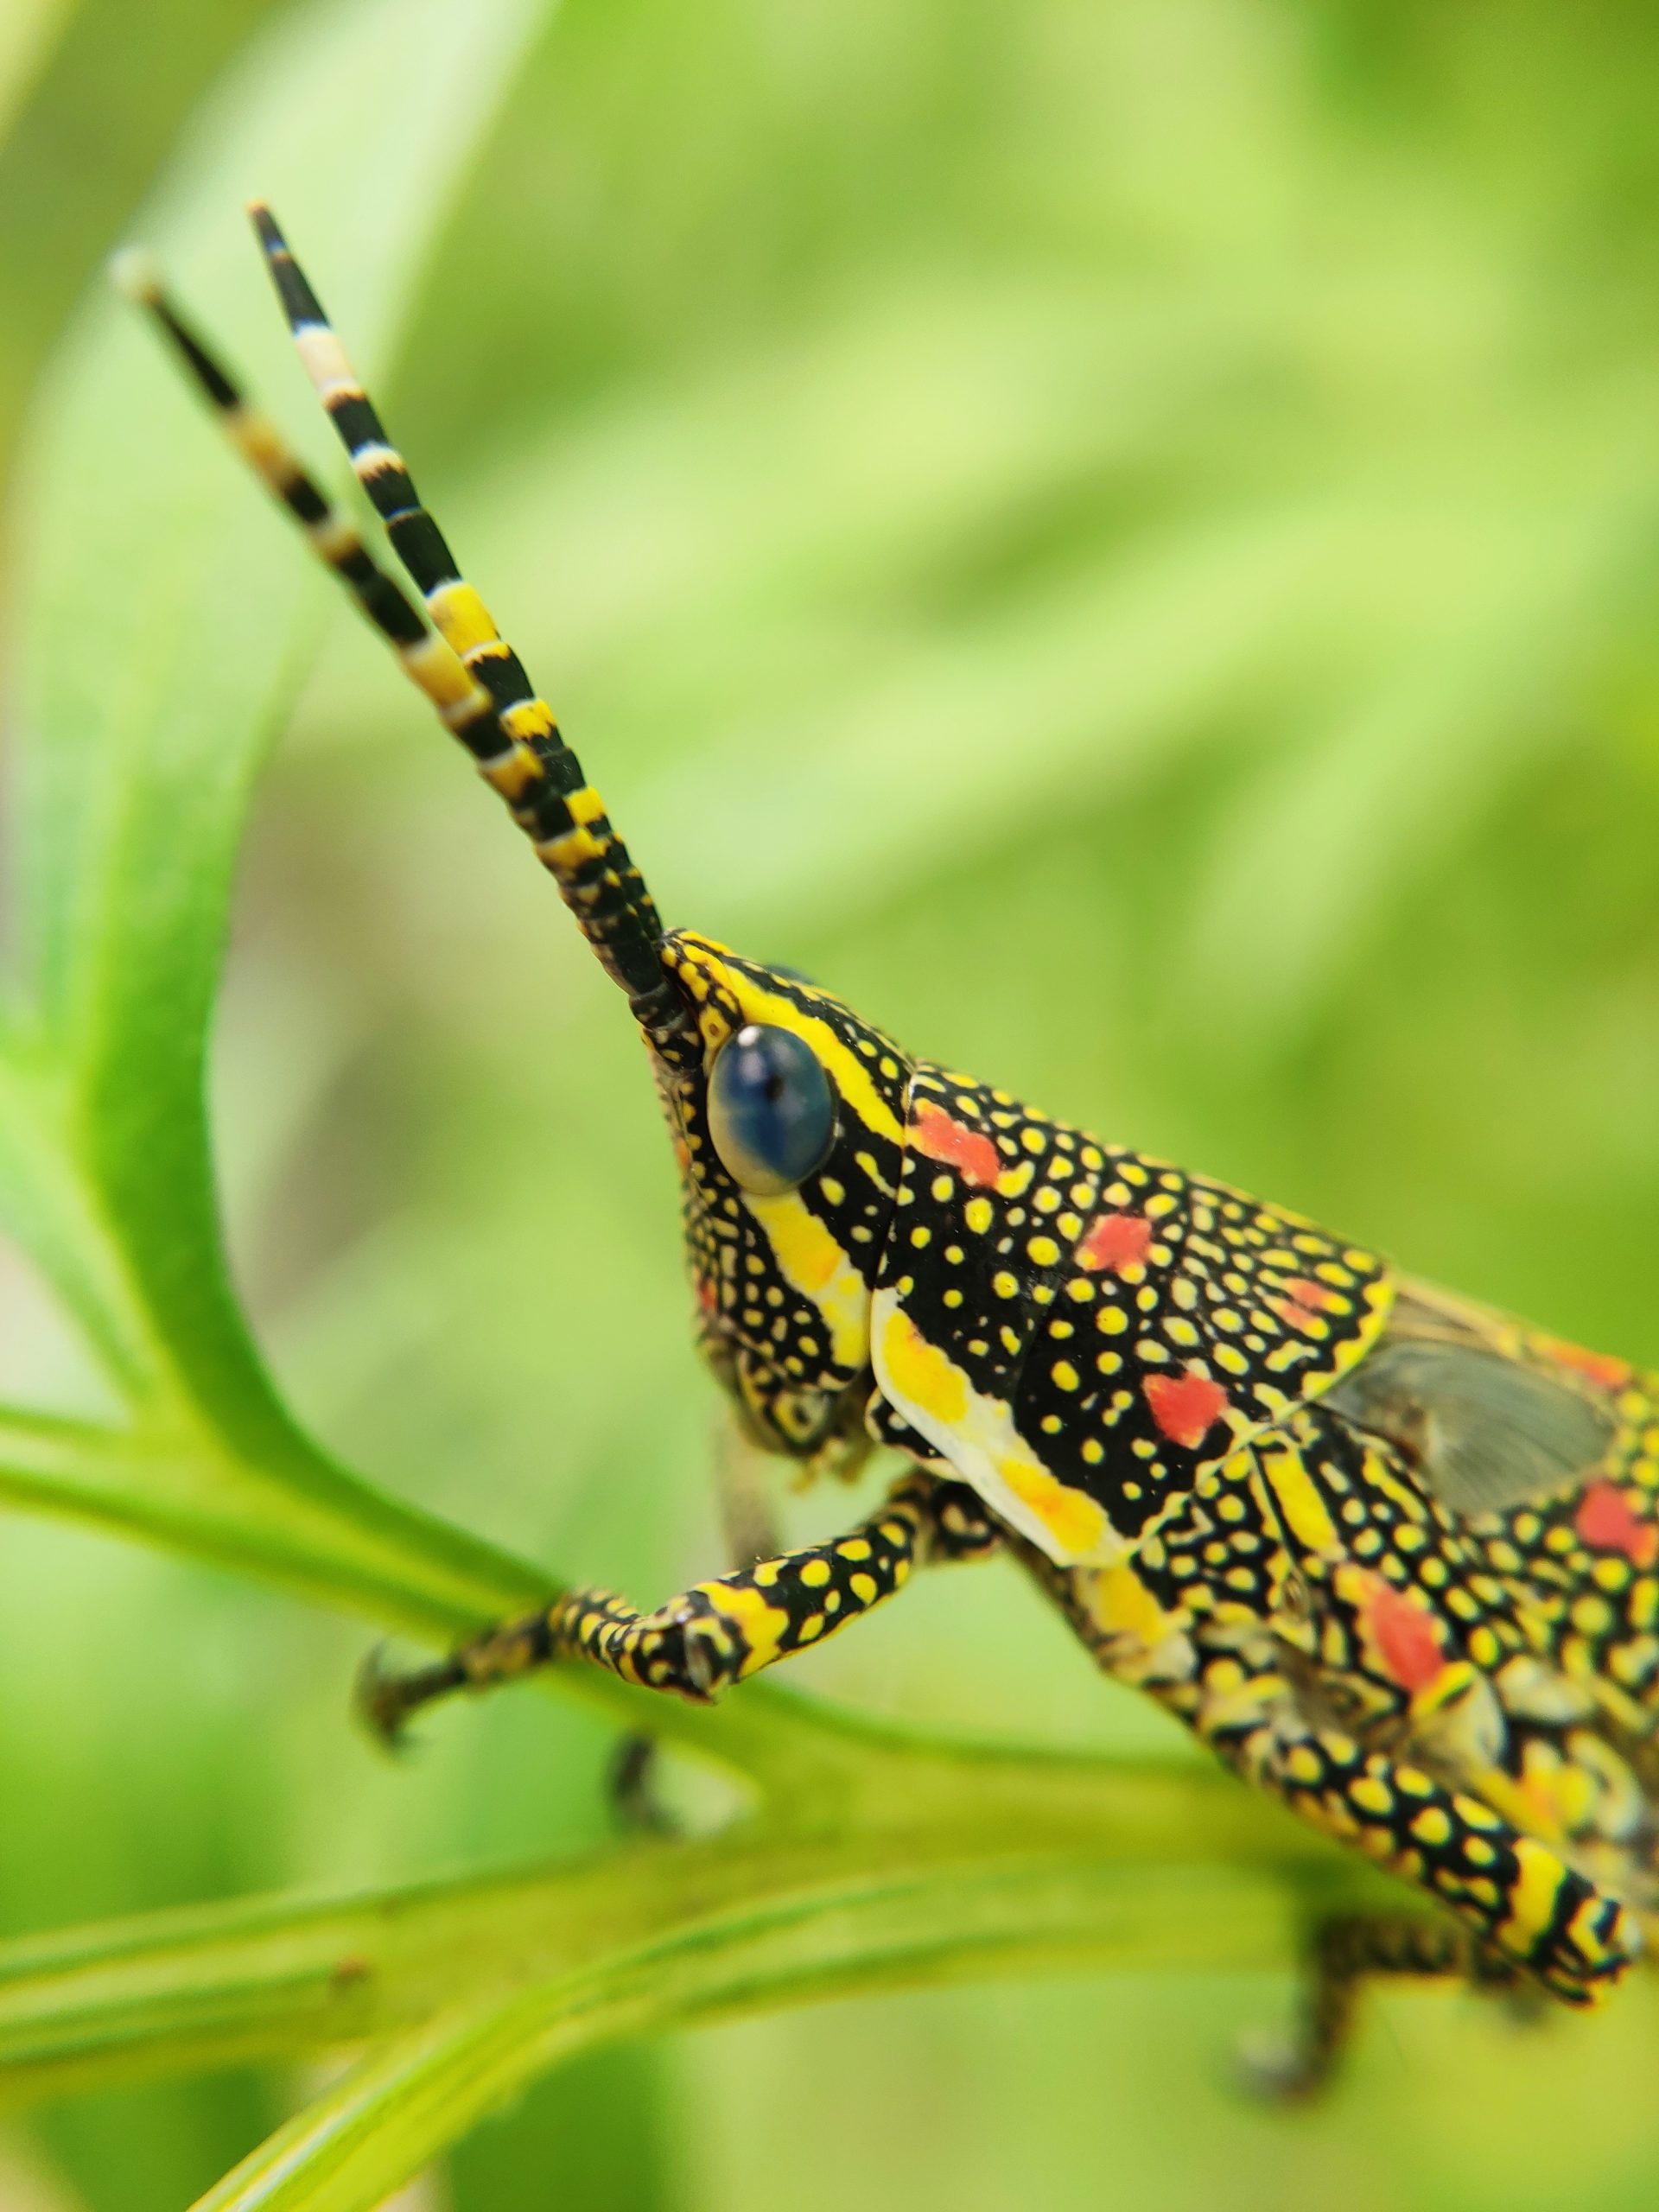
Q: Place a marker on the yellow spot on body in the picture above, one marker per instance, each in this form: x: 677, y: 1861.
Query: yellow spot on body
x: 854, y: 1547
x: 867, y: 1161
x: 978, y: 1215
x: 760, y: 1625
x: 1120, y: 1604
x: 1591, y: 1615
x: 1075, y: 1523
x: 815, y: 1573
x: 920, y: 1373
x: 1014, y: 1182
x: 1305, y: 1513
x: 1004, y: 1285
x: 864, y: 1588
x: 1043, y: 1252
x: 1532, y: 1895
x: 1065, y: 1374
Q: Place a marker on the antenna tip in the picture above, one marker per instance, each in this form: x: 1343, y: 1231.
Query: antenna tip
x: 265, y: 223
x: 134, y: 274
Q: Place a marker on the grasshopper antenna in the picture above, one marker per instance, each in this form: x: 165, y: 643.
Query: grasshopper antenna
x: 459, y: 661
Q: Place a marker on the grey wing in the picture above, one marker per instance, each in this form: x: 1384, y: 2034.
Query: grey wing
x: 1485, y: 1432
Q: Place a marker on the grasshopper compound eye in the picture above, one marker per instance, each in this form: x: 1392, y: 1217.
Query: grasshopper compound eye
x: 772, y: 1113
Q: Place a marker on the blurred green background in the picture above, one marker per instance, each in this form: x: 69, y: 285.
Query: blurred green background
x: 1125, y: 539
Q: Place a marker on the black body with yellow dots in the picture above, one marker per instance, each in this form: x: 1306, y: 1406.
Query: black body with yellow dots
x: 1393, y: 1557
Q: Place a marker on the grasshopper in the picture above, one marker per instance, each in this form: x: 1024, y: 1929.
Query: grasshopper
x: 1393, y: 1556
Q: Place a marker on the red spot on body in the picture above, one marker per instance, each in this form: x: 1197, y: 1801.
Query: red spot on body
x: 1304, y: 1303
x: 1609, y: 1522
x: 1598, y: 1367
x: 1408, y: 1639
x: 975, y: 1158
x: 1185, y: 1407
x: 1117, y: 1240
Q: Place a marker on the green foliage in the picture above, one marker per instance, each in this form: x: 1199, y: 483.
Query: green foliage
x: 1120, y: 538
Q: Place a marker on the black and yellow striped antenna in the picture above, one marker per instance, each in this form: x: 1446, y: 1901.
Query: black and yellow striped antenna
x: 461, y: 661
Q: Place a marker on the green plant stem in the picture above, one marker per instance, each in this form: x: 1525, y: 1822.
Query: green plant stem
x: 987, y: 1862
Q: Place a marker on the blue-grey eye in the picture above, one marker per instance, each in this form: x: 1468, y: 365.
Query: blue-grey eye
x: 772, y: 1113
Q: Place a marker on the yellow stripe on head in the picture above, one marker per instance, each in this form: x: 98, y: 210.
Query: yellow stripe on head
x: 812, y: 1262
x: 756, y: 1003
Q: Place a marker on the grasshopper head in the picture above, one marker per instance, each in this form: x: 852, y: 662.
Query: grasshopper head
x: 787, y: 1116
